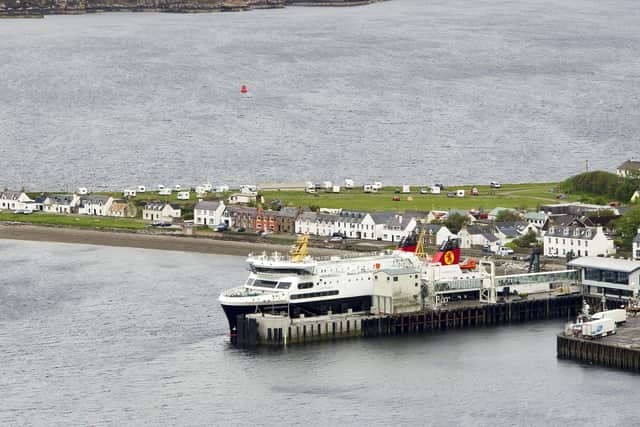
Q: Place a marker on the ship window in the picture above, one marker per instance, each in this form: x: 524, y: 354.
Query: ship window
x: 395, y: 279
x: 265, y: 283
x: 314, y: 294
x: 249, y: 282
x: 284, y: 285
x: 305, y: 285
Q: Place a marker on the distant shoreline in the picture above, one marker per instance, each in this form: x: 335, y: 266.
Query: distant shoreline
x: 143, y: 241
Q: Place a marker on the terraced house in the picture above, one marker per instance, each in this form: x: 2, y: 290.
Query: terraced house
x: 95, y: 205
x: 580, y: 241
x: 15, y: 200
x: 61, y: 203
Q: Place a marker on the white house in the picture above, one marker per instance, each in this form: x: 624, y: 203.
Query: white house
x: 636, y: 246
x: 438, y: 234
x: 160, y: 211
x: 61, y: 203
x: 393, y: 226
x: 630, y: 167
x: 15, y: 200
x: 581, y: 241
x: 208, y: 213
x: 129, y: 192
x: 307, y: 222
x: 95, y: 205
x: 538, y: 219
x: 472, y: 235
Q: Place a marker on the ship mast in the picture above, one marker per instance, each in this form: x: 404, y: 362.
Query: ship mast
x: 299, y: 252
x: 420, y: 253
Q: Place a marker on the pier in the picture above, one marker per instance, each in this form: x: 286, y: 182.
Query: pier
x: 278, y: 330
x: 620, y: 351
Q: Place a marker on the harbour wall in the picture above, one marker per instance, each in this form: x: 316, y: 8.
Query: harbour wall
x: 280, y: 330
x: 619, y: 351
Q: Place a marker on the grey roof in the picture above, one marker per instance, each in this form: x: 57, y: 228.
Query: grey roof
x: 61, y: 199
x: 237, y: 210
x: 612, y: 264
x: 535, y: 216
x: 511, y: 229
x: 482, y: 231
x: 94, y: 199
x: 11, y: 195
x: 630, y: 165
x: 433, y: 228
x: 308, y: 216
x: 208, y: 206
x: 572, y: 232
x: 287, y: 212
x: 156, y: 206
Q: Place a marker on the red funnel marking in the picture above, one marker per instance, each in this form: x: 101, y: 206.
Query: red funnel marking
x: 244, y: 89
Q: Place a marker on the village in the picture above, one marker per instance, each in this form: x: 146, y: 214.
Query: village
x: 560, y: 229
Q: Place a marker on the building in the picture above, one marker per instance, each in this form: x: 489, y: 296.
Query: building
x: 95, y: 205
x: 61, y: 203
x: 208, y: 213
x: 636, y: 246
x: 609, y: 277
x: 493, y: 214
x: 581, y: 241
x: 351, y: 224
x: 239, y: 216
x: 630, y: 167
x: 286, y: 219
x: 538, y: 219
x: 244, y: 198
x: 15, y: 200
x: 265, y: 220
x: 508, y: 231
x: 437, y: 234
x: 120, y: 209
x: 576, y: 208
x: 160, y: 212
x: 474, y: 235
x: 393, y: 226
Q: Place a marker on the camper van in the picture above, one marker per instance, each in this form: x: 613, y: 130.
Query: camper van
x: 82, y: 191
x: 164, y: 191
x: 459, y: 193
x: 376, y: 186
x: 435, y: 189
x: 367, y: 188
x: 348, y: 183
x: 183, y: 195
x: 406, y: 189
x: 142, y: 189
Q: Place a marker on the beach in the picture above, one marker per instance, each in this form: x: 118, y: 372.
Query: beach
x: 143, y: 240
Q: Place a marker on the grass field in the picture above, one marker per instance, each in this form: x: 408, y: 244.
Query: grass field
x: 74, y: 220
x: 527, y: 196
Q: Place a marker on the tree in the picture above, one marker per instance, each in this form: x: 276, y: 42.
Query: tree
x: 627, y: 227
x: 507, y: 216
x: 527, y: 241
x: 456, y: 221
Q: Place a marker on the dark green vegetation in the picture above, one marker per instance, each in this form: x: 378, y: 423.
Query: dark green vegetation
x: 602, y: 187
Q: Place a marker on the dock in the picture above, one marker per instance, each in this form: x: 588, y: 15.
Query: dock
x: 279, y: 330
x: 619, y: 351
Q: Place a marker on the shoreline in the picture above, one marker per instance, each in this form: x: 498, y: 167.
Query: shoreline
x: 129, y: 239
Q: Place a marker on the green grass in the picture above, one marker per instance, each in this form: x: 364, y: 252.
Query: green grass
x: 528, y: 196
x: 74, y: 220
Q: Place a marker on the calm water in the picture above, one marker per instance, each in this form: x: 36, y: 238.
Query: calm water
x: 456, y: 91
x: 109, y: 336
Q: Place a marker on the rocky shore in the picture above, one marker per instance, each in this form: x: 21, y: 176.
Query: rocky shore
x: 39, y: 8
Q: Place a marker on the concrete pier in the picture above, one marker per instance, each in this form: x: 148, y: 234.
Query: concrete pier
x: 620, y: 351
x: 280, y: 330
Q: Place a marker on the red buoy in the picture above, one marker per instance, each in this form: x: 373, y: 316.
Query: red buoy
x: 244, y: 89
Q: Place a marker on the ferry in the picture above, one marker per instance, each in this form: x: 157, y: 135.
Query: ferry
x: 298, y: 284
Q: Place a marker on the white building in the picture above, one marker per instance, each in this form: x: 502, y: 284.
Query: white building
x: 95, y: 205
x: 352, y: 224
x: 243, y: 198
x: 15, y: 200
x: 581, y: 241
x: 61, y: 203
x: 630, y: 167
x: 538, y: 219
x: 393, y: 226
x: 636, y: 246
x: 208, y: 213
x: 472, y: 235
x: 160, y: 211
x: 612, y: 278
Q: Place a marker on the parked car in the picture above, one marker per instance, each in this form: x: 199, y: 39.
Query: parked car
x: 396, y: 198
x: 240, y: 230
x: 338, y: 234
x: 335, y: 239
x: 495, y: 184
x: 451, y: 194
x: 504, y: 251
x: 475, y: 192
x: 424, y: 191
x: 222, y: 227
